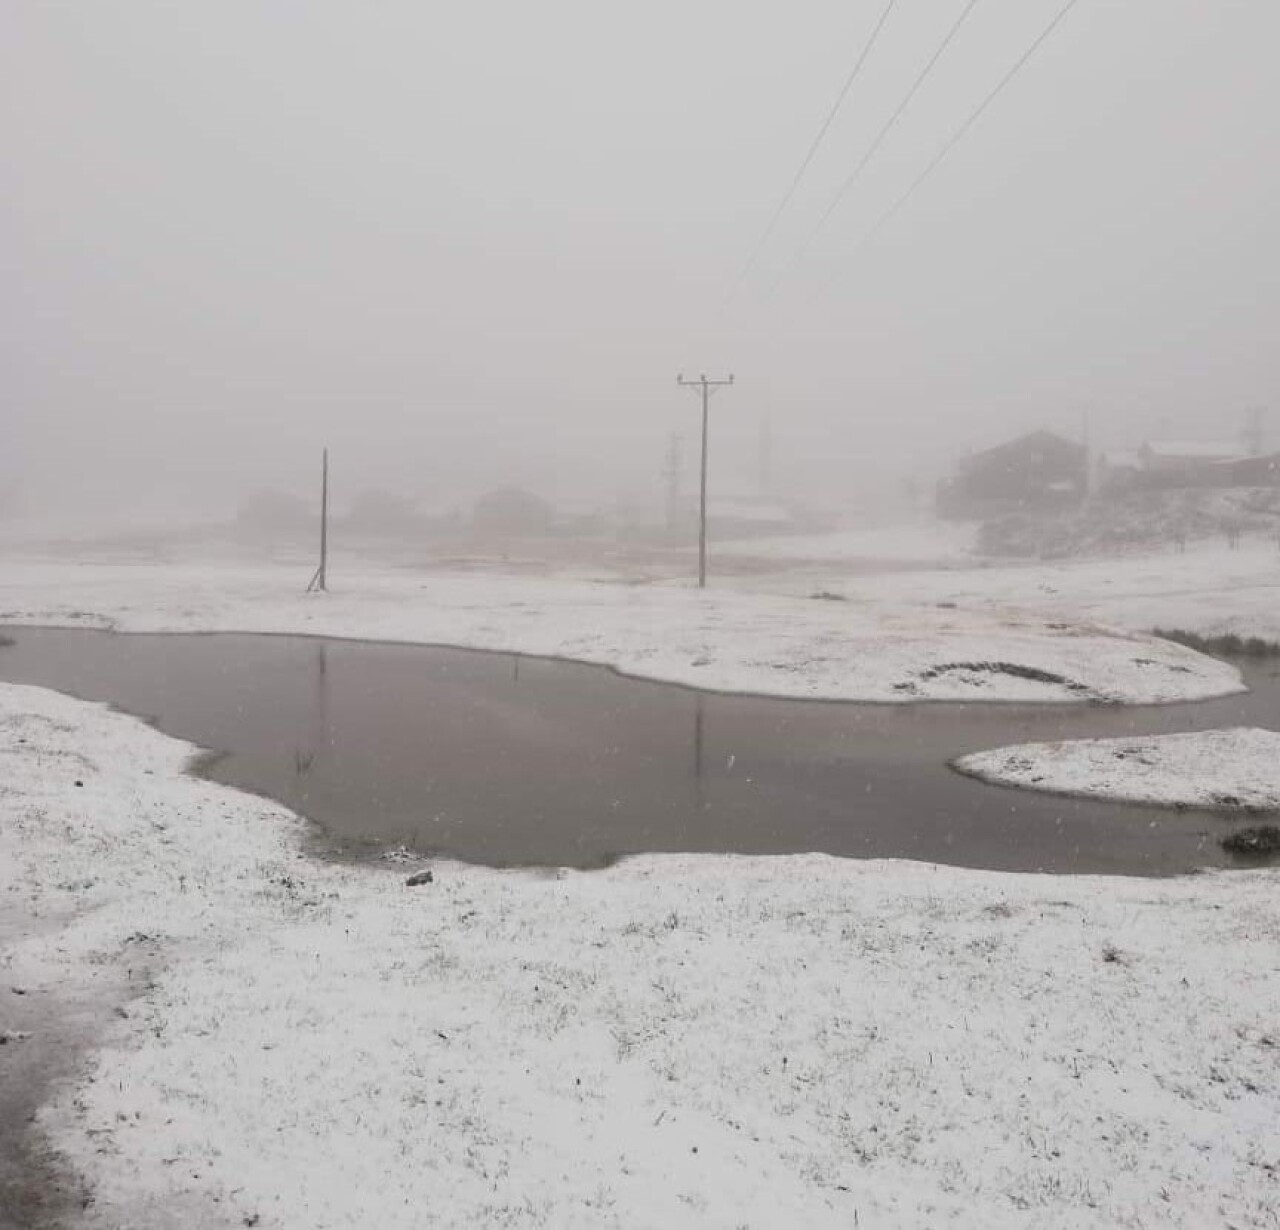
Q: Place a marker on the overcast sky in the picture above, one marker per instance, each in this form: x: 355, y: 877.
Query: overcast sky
x: 472, y: 243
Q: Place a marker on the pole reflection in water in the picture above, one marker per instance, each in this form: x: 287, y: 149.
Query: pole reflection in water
x: 317, y: 738
x: 699, y: 719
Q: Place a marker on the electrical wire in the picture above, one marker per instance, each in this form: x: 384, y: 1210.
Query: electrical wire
x: 875, y: 145
x: 815, y: 145
x: 959, y: 134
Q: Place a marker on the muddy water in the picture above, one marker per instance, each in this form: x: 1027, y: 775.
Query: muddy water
x: 507, y: 760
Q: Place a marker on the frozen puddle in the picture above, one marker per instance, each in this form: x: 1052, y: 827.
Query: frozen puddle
x: 504, y: 760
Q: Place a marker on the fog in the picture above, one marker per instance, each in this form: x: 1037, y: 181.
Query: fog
x: 473, y: 244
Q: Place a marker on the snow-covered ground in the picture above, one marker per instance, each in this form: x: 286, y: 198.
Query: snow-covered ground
x: 1137, y: 519
x: 938, y: 543
x: 886, y: 641
x: 676, y: 1041
x: 1208, y: 589
x: 1236, y: 769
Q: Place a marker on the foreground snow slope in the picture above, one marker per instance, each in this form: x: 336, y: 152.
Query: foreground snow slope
x: 674, y: 1042
x: 869, y: 647
x: 1237, y: 769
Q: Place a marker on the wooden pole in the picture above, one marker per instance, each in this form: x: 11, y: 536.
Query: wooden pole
x: 319, y: 577
x: 702, y: 502
x: 324, y: 519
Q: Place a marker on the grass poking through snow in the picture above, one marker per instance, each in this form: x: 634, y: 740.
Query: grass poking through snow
x: 1228, y: 645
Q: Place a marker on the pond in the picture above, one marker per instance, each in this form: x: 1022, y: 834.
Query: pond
x: 507, y: 760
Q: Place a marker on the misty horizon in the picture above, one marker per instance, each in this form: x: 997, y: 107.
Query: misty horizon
x: 466, y: 248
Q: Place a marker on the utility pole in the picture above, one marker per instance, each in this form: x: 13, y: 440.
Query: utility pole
x: 707, y: 387
x: 317, y: 584
x: 1253, y: 433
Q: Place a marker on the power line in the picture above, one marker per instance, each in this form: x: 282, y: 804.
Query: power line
x: 817, y: 142
x: 875, y: 145
x: 960, y: 133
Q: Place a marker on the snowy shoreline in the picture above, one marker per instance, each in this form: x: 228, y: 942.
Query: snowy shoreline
x: 672, y: 1041
x: 716, y: 640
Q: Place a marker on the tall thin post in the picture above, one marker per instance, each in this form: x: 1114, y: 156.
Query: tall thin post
x: 702, y: 500
x: 1253, y: 433
x: 317, y: 583
x: 706, y: 387
x: 324, y: 518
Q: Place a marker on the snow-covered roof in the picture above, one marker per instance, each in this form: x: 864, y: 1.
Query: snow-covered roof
x: 749, y: 510
x: 1122, y: 459
x: 1217, y: 450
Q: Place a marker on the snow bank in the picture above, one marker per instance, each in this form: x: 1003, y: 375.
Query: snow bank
x: 1237, y: 769
x: 864, y: 648
x: 677, y: 1041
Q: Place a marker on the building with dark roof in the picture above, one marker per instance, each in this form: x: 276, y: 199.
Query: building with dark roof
x: 1038, y: 470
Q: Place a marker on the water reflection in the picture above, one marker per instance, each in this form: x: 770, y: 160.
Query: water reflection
x: 512, y: 759
x: 316, y: 737
x: 698, y: 718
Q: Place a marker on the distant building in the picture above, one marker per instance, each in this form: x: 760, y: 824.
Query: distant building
x: 1252, y: 471
x: 268, y: 515
x: 382, y: 513
x: 1168, y: 464
x: 1186, y: 456
x: 1038, y: 470
x: 748, y: 517
x: 759, y: 516
x: 1119, y: 469
x: 512, y: 512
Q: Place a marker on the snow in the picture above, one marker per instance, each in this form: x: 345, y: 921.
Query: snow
x: 1219, y: 450
x: 1236, y: 769
x: 871, y: 646
x: 883, y: 1044
x: 749, y: 509
x: 1208, y: 588
x: 677, y: 1041
x: 1126, y: 522
x: 941, y: 543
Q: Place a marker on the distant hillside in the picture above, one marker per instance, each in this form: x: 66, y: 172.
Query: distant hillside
x: 1136, y: 520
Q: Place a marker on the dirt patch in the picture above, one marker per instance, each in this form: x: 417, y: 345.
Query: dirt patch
x: 51, y: 1031
x: 1263, y: 839
x: 1013, y: 669
x: 37, y: 1190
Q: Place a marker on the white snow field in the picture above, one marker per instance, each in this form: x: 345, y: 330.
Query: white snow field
x: 677, y: 1041
x: 1236, y: 769
x: 883, y: 643
x: 936, y: 543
